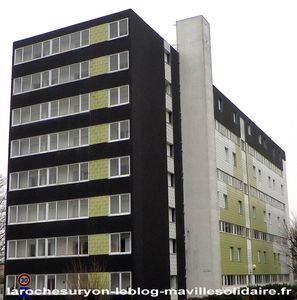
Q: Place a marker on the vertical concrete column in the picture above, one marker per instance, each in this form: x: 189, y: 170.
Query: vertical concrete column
x: 203, y: 264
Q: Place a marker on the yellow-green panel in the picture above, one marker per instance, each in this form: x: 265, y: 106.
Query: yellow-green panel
x: 98, y: 169
x: 238, y: 169
x: 235, y: 266
x: 232, y: 214
x: 98, y: 206
x: 99, y: 99
x: 98, y: 34
x: 99, y: 280
x: 258, y: 222
x: 99, y: 134
x: 99, y: 66
x: 98, y: 244
x: 264, y: 268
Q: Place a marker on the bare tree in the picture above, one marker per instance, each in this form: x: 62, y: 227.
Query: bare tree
x: 2, y: 216
x: 92, y: 276
x: 290, y: 231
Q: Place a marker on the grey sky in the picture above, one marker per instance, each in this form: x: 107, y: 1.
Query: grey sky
x: 254, y: 48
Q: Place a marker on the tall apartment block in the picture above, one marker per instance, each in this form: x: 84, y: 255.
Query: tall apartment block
x: 128, y: 168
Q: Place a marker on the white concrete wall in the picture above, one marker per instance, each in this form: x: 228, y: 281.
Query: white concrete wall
x: 199, y: 162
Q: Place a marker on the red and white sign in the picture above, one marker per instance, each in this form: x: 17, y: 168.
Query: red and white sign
x: 24, y: 279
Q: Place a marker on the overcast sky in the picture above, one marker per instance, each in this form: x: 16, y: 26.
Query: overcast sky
x: 254, y: 54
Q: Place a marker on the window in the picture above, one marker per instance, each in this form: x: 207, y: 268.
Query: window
x: 249, y: 130
x: 269, y: 218
x: 254, y: 172
x: 118, y: 29
x: 167, y: 58
x: 259, y: 256
x: 231, y: 253
x: 254, y: 212
x: 170, y: 151
x: 119, y: 95
x: 264, y: 216
x: 235, y: 117
x: 264, y: 257
x: 225, y: 198
x: 169, y: 117
x: 273, y: 184
x: 119, y: 204
x: 240, y: 208
x: 120, y: 243
x: 172, y: 246
x: 119, y: 131
x: 269, y: 181
x: 168, y: 88
x: 220, y: 104
x: 260, y: 139
x: 171, y: 179
x: 120, y: 281
x: 172, y: 215
x: 234, y: 159
x: 260, y: 175
x: 119, y: 166
x: 239, y: 254
x: 226, y: 154
x: 119, y: 61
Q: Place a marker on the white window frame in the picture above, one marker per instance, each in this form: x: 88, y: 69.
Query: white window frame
x: 119, y: 62
x: 120, y: 277
x: 119, y: 241
x: 120, y: 205
x: 118, y: 27
x: 119, y: 96
x: 119, y: 131
x: 119, y: 167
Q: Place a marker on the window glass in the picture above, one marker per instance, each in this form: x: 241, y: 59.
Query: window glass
x: 55, y: 76
x: 40, y: 281
x: 37, y: 50
x: 46, y: 48
x: 73, y: 138
x: 84, y: 102
x: 114, y: 204
x: 21, y: 248
x: 43, y: 143
x: 23, y: 179
x: 31, y: 248
x: 84, y: 136
x: 64, y: 74
x: 12, y: 214
x: 27, y: 54
x: 124, y: 94
x: 52, y: 210
x: 124, y: 60
x: 113, y: 62
x: 114, y: 281
x: 125, y: 165
x: 41, y: 247
x: 64, y: 43
x: 34, y: 145
x: 73, y: 209
x: 36, y: 81
x: 55, y: 45
x: 83, y: 245
x: 16, y: 117
x: 113, y: 96
x: 18, y: 55
x: 124, y: 129
x: 54, y: 108
x: 85, y: 38
x: 61, y: 281
x: 74, y: 104
x: 52, y: 175
x: 35, y: 112
x: 51, y: 244
x: 61, y: 246
x: 74, y: 72
x: 32, y: 212
x: 14, y: 181
x: 62, y: 174
x: 113, y: 30
x: 125, y: 203
x: 126, y: 281
x: 17, y: 85
x: 123, y: 27
x: 41, y: 211
x: 84, y: 69
x: 63, y: 139
x: 25, y: 114
x: 114, y: 167
x: 22, y: 213
x: 125, y: 242
x: 73, y: 173
x: 43, y: 177
x: 114, y: 243
x: 114, y: 131
x: 83, y: 207
x: 11, y: 247
x: 15, y: 148
x: 75, y: 40
x: 26, y: 83
x: 33, y: 178
x: 53, y: 141
x: 62, y: 209
x: 84, y: 171
x: 63, y: 106
x: 45, y: 78
x: 73, y: 245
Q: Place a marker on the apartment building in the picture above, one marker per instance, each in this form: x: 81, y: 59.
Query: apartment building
x: 128, y: 168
